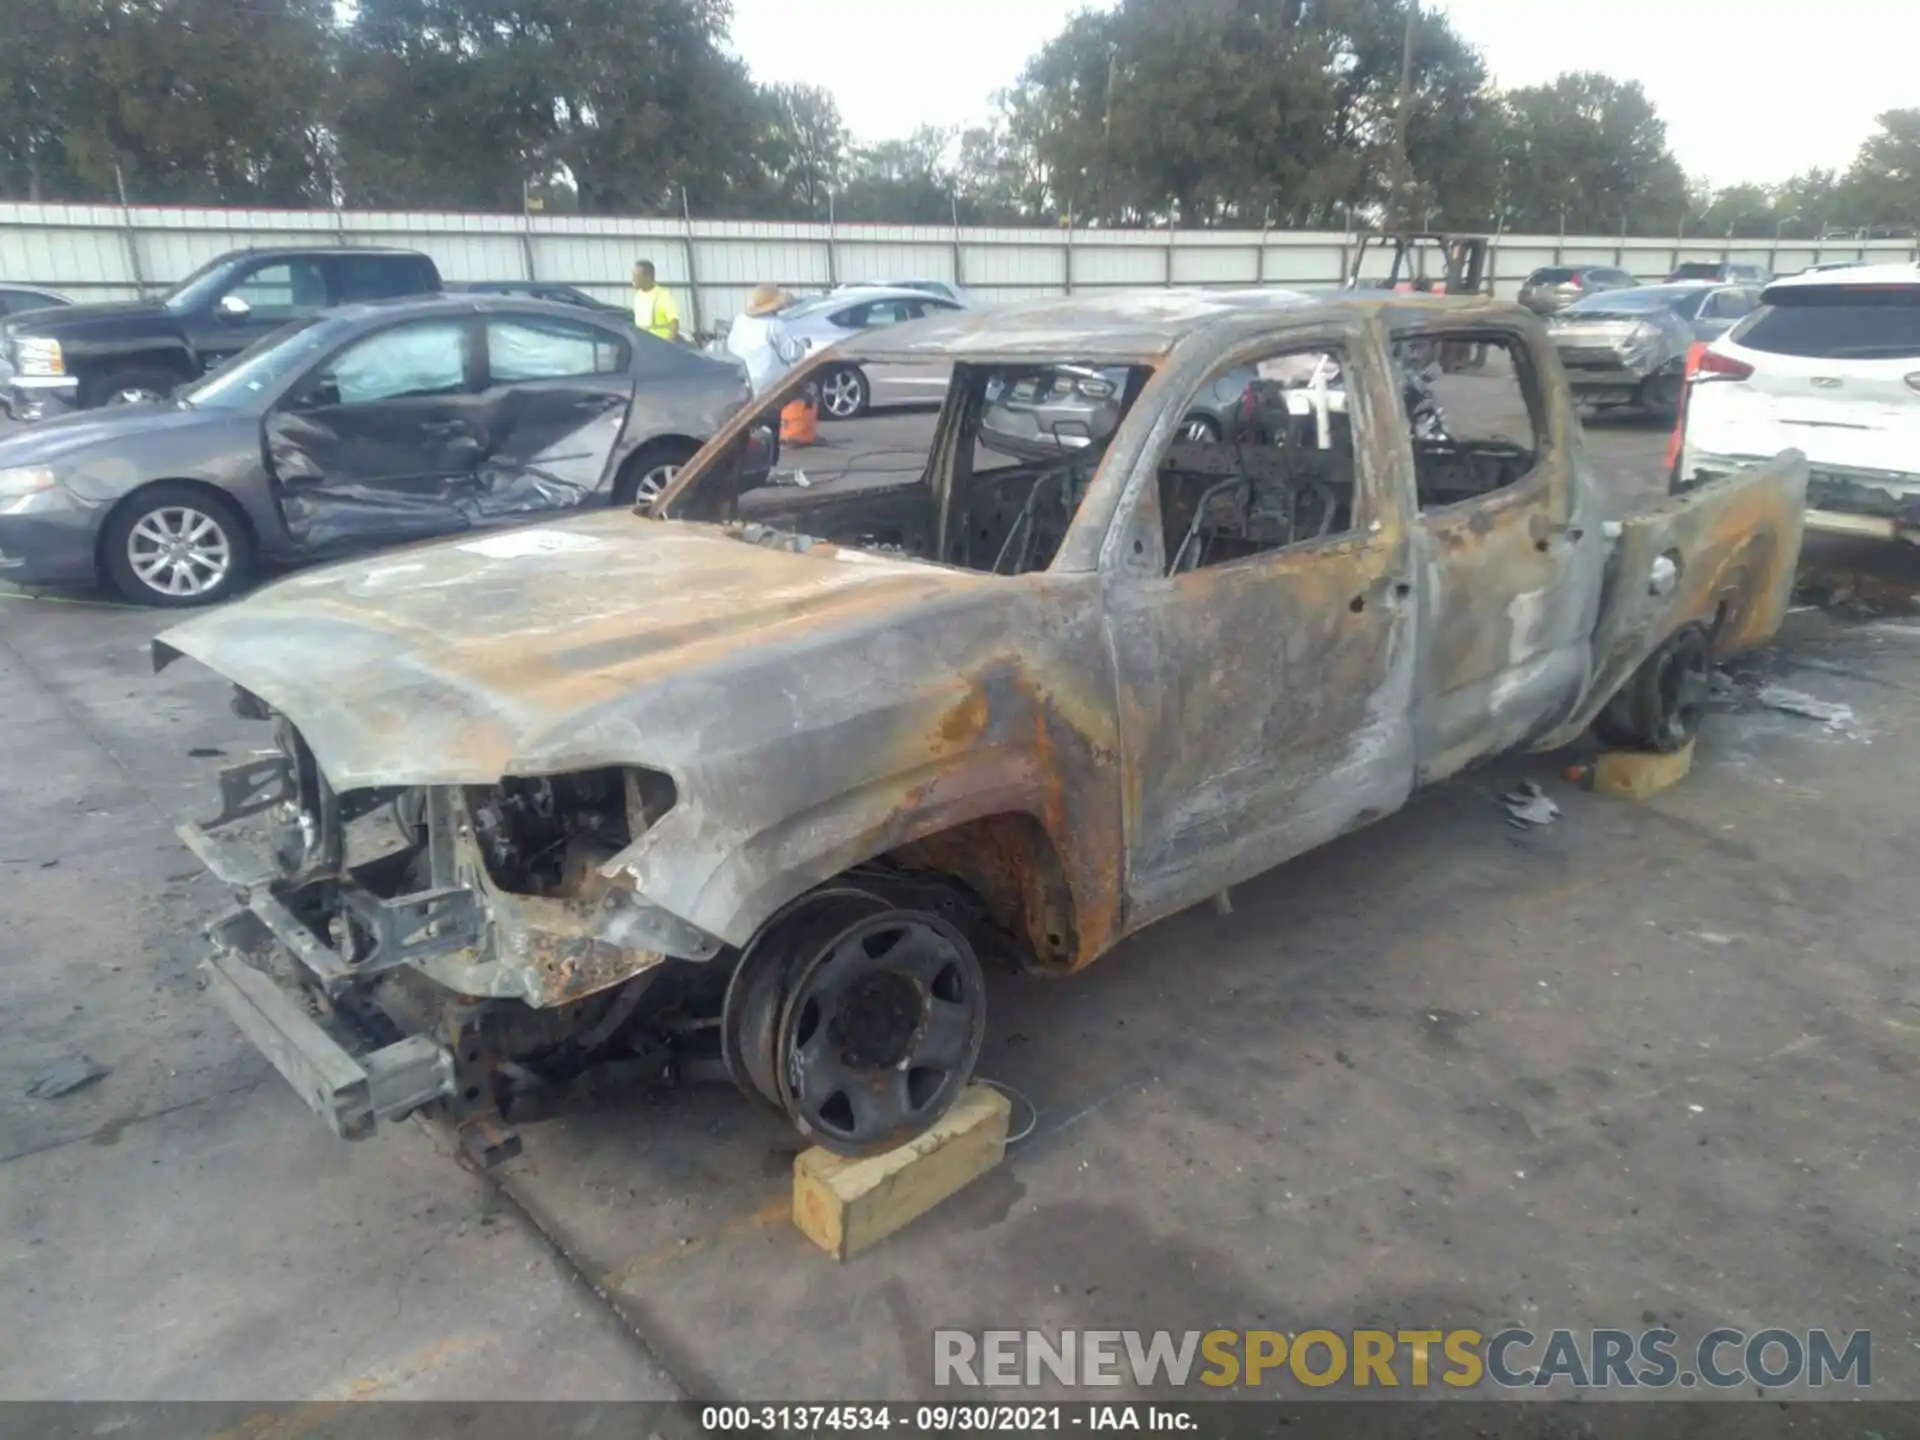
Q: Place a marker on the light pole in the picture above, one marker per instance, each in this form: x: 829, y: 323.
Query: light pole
x: 1400, y: 109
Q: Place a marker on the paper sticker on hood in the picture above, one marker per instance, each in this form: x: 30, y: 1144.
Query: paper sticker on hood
x: 539, y: 541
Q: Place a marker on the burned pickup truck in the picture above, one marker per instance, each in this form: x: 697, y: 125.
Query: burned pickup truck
x: 753, y: 782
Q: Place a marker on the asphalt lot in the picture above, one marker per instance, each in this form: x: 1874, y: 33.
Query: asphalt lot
x: 1653, y: 1063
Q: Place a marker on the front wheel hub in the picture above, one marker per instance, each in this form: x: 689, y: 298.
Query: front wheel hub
x: 861, y: 1023
x: 881, y: 1030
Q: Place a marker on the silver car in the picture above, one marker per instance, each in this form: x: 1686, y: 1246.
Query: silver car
x: 939, y: 289
x: 1629, y: 347
x: 850, y: 390
x: 1554, y: 287
x: 1070, y: 407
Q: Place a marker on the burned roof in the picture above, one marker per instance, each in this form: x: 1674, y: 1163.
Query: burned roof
x: 1120, y: 326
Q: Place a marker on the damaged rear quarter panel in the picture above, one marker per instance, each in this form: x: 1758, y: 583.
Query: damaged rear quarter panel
x: 1737, y: 542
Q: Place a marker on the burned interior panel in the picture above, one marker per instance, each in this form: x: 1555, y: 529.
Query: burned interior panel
x: 1011, y: 459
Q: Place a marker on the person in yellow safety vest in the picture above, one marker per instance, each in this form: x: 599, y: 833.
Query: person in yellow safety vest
x: 653, y: 308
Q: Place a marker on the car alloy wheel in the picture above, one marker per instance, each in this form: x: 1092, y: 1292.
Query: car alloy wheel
x: 179, y: 551
x: 653, y: 483
x: 1198, y: 430
x: 133, y: 395
x: 843, y: 394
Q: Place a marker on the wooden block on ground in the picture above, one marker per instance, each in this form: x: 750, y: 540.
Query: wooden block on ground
x: 1636, y: 774
x: 844, y: 1205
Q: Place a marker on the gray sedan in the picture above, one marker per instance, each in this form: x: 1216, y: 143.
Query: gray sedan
x: 375, y: 424
x: 1629, y: 347
x: 1069, y: 407
x: 1553, y: 288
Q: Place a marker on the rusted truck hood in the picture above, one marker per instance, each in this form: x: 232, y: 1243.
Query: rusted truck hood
x: 543, y: 650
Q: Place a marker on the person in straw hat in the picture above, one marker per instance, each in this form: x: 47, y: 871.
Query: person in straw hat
x: 761, y: 341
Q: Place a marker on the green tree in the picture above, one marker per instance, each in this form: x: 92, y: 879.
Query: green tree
x: 1590, y: 153
x: 195, y: 101
x: 905, y: 182
x: 1745, y: 212
x: 1882, y: 189
x: 808, y: 148
x: 634, y: 102
x: 1237, y: 112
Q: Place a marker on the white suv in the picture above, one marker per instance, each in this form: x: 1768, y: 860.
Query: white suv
x: 1830, y: 366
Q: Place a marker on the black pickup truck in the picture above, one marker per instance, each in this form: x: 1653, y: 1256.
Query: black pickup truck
x: 89, y: 355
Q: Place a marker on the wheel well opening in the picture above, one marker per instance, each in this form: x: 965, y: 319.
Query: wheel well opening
x: 645, y: 457
x: 169, y: 368
x: 212, y: 492
x: 1009, y: 861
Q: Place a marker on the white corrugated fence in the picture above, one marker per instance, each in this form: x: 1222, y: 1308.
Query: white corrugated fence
x: 106, y: 252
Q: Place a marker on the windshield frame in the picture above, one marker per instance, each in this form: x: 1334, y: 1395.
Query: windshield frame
x: 269, y: 367
x: 200, y: 287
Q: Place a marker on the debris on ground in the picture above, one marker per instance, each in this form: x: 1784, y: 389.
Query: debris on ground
x: 64, y: 1076
x: 1856, y: 592
x: 1831, y: 713
x: 1529, y: 806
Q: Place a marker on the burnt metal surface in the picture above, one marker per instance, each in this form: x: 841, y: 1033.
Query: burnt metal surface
x: 1084, y: 747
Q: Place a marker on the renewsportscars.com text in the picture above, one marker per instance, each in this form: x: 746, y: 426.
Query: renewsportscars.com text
x: 1509, y: 1359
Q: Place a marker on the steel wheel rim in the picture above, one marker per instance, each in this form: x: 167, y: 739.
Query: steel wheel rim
x: 750, y: 1010
x: 841, y: 393
x: 179, y: 551
x: 654, y: 483
x: 1196, y: 430
x: 880, y: 1031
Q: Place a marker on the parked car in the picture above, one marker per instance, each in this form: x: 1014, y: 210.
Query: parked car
x: 375, y: 424
x: 1047, y: 411
x: 1629, y: 347
x: 690, y: 784
x: 19, y: 300
x: 1554, y: 287
x: 537, y: 290
x: 940, y: 289
x: 848, y: 390
x: 85, y: 356
x: 1721, y: 272
x: 1828, y: 365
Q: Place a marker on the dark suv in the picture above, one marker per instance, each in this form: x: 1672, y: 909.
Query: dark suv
x: 88, y: 355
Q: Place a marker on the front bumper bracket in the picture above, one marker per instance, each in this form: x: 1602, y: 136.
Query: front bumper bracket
x: 350, y: 1092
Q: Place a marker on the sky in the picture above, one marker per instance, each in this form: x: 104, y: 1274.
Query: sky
x: 1750, y: 89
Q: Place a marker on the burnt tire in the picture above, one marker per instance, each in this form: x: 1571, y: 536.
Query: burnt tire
x: 173, y: 545
x: 1660, y: 706
x: 129, y: 387
x: 650, y: 469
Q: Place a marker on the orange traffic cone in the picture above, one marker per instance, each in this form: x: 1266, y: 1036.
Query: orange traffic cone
x: 800, y: 422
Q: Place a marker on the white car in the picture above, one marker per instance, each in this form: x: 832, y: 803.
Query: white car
x: 1828, y: 365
